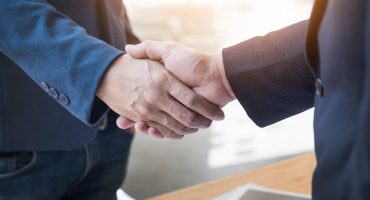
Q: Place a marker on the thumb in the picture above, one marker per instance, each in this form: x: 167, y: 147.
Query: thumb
x: 136, y: 51
x: 153, y: 50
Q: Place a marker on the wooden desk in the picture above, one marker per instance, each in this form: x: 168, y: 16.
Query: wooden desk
x: 292, y: 175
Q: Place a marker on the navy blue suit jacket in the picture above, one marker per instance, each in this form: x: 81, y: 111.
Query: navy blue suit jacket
x: 323, y: 63
x: 52, y: 57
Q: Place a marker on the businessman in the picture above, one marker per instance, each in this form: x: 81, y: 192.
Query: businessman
x: 322, y: 63
x: 62, y: 67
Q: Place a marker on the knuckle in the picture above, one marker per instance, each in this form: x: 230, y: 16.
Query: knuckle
x: 187, y: 97
x: 145, y: 111
x: 192, y: 99
x: 176, y: 109
x: 191, y: 119
x: 172, y: 108
x: 155, y: 99
x: 166, y: 121
x: 162, y: 78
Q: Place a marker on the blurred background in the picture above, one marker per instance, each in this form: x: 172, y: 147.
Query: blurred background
x: 235, y: 144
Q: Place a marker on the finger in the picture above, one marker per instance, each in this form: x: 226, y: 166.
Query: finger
x: 124, y: 123
x: 156, y: 129
x: 154, y: 50
x: 153, y: 131
x: 195, y: 102
x: 153, y: 112
x: 141, y: 127
x: 184, y: 115
x: 168, y: 121
x: 159, y: 50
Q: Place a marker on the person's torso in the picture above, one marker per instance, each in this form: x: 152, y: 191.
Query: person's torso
x: 342, y: 142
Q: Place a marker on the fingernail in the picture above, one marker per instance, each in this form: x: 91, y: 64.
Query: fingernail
x: 219, y: 116
x: 129, y: 46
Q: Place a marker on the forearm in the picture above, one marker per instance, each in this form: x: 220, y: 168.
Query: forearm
x: 269, y: 75
x: 51, y: 48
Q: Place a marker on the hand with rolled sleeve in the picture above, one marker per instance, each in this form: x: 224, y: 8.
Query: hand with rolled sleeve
x: 204, y: 73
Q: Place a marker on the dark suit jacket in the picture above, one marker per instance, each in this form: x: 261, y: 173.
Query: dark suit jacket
x: 285, y: 73
x: 52, y: 57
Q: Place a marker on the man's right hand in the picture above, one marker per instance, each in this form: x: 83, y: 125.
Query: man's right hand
x: 144, y: 91
x: 204, y: 73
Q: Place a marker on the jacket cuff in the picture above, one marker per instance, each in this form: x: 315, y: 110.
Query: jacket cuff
x: 96, y: 108
x: 269, y: 75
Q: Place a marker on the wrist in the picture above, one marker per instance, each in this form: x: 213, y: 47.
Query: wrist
x: 103, y: 89
x: 216, y: 62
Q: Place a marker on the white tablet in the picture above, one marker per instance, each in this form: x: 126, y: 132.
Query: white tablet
x: 256, y: 192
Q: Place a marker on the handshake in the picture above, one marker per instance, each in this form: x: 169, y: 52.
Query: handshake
x: 166, y: 90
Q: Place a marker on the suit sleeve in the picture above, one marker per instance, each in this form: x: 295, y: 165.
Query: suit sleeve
x: 270, y: 76
x: 51, y: 48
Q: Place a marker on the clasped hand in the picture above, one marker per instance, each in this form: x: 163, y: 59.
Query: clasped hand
x: 166, y: 90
